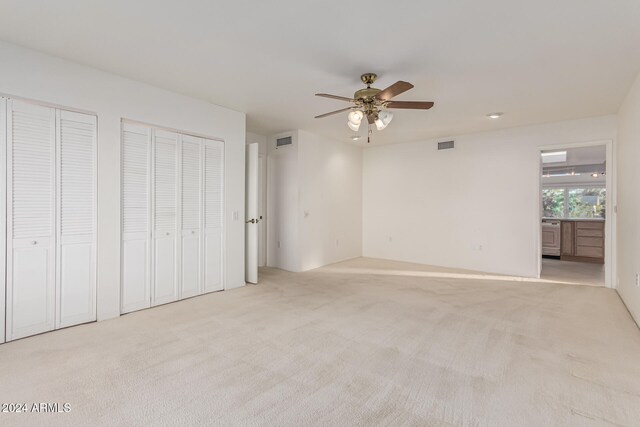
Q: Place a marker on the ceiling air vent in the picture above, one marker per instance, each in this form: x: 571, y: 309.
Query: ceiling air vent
x: 280, y: 142
x: 445, y: 145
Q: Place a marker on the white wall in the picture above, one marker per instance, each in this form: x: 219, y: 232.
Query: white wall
x: 29, y: 74
x: 628, y: 179
x: 283, y: 200
x: 314, y: 202
x: 330, y: 200
x: 474, y: 207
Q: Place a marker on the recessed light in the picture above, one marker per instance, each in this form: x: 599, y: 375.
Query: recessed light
x: 355, y: 137
x: 595, y: 175
x: 494, y: 115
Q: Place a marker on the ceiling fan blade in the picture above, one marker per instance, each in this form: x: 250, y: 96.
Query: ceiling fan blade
x: 411, y: 105
x: 371, y: 118
x: 394, y: 90
x: 334, y: 112
x: 341, y: 98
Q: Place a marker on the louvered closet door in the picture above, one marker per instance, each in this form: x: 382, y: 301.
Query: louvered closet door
x: 76, y: 248
x: 3, y: 210
x: 213, y: 208
x: 191, y: 216
x: 136, y: 149
x: 30, y: 219
x: 165, y: 217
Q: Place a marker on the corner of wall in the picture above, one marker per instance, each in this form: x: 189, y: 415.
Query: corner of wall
x: 627, y: 153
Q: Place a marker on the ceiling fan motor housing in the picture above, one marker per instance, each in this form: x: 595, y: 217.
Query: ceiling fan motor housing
x: 365, y: 93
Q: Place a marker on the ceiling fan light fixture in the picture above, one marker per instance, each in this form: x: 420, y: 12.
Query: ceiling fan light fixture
x: 356, y: 117
x: 372, y: 103
x: 383, y: 119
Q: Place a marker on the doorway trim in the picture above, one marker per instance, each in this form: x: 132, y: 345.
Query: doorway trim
x: 610, y: 240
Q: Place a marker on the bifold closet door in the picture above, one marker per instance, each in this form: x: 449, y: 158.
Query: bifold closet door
x: 31, y: 259
x: 165, y: 217
x: 213, y: 208
x: 191, y: 216
x: 135, y: 263
x: 76, y: 217
x: 3, y: 211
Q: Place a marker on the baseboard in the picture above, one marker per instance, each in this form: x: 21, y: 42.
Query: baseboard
x: 108, y: 316
x: 235, y: 286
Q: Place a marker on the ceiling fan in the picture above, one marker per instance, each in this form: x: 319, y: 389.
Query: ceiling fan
x: 373, y: 103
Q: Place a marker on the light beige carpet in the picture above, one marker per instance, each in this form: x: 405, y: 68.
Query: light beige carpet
x: 364, y: 342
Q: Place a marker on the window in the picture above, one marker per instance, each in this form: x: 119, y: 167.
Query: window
x: 586, y: 202
x: 553, y: 202
x: 574, y: 202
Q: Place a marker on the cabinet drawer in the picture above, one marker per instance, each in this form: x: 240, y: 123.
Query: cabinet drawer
x: 590, y: 251
x: 589, y: 232
x: 592, y: 225
x: 590, y: 241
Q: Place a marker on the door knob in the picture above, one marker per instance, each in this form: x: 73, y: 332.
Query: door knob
x: 168, y: 233
x: 34, y: 242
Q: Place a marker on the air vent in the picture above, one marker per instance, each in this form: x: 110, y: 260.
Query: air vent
x: 445, y: 145
x: 283, y: 141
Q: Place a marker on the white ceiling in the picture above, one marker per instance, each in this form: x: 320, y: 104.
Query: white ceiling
x: 537, y: 61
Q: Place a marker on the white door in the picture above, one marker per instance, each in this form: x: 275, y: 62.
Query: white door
x: 30, y: 219
x: 3, y: 211
x: 135, y: 292
x: 262, y: 211
x: 165, y: 217
x: 191, y: 216
x: 76, y: 219
x: 213, y: 214
x: 251, y: 217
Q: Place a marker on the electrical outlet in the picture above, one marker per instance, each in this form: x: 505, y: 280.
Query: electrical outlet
x: 390, y: 239
x: 337, y: 242
x: 638, y: 280
x: 278, y: 244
